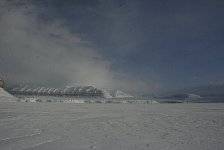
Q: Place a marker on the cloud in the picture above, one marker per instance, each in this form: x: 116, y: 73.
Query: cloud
x: 39, y: 52
x: 33, y: 51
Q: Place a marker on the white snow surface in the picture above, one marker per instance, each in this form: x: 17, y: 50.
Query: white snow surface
x: 61, y: 126
x: 5, y: 96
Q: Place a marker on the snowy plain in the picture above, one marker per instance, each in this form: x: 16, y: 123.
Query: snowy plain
x: 57, y: 126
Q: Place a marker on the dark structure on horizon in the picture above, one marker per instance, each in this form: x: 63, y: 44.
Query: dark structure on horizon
x: 2, y: 84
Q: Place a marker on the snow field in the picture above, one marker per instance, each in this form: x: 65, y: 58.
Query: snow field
x: 56, y: 126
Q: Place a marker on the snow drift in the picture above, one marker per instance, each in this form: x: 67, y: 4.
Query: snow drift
x: 5, y: 96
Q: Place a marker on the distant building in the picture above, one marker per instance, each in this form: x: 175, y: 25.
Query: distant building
x: 2, y: 84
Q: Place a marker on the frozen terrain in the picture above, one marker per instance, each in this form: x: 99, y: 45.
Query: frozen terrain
x: 5, y: 96
x: 61, y: 126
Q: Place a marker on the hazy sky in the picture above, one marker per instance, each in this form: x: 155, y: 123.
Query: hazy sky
x: 135, y: 45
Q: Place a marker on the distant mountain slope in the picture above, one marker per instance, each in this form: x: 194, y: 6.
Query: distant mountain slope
x: 67, y: 91
x: 121, y: 94
x: 88, y: 91
x: 183, y: 96
x: 212, y: 89
x: 106, y: 94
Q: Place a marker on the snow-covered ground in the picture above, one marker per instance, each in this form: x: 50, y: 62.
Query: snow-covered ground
x: 61, y: 126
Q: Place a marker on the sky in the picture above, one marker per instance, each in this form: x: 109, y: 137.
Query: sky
x: 139, y: 46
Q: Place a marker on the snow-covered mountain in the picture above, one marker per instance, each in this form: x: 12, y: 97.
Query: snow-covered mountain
x: 106, y: 94
x: 121, y: 94
x: 67, y: 91
x: 184, y: 96
x: 5, y: 96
